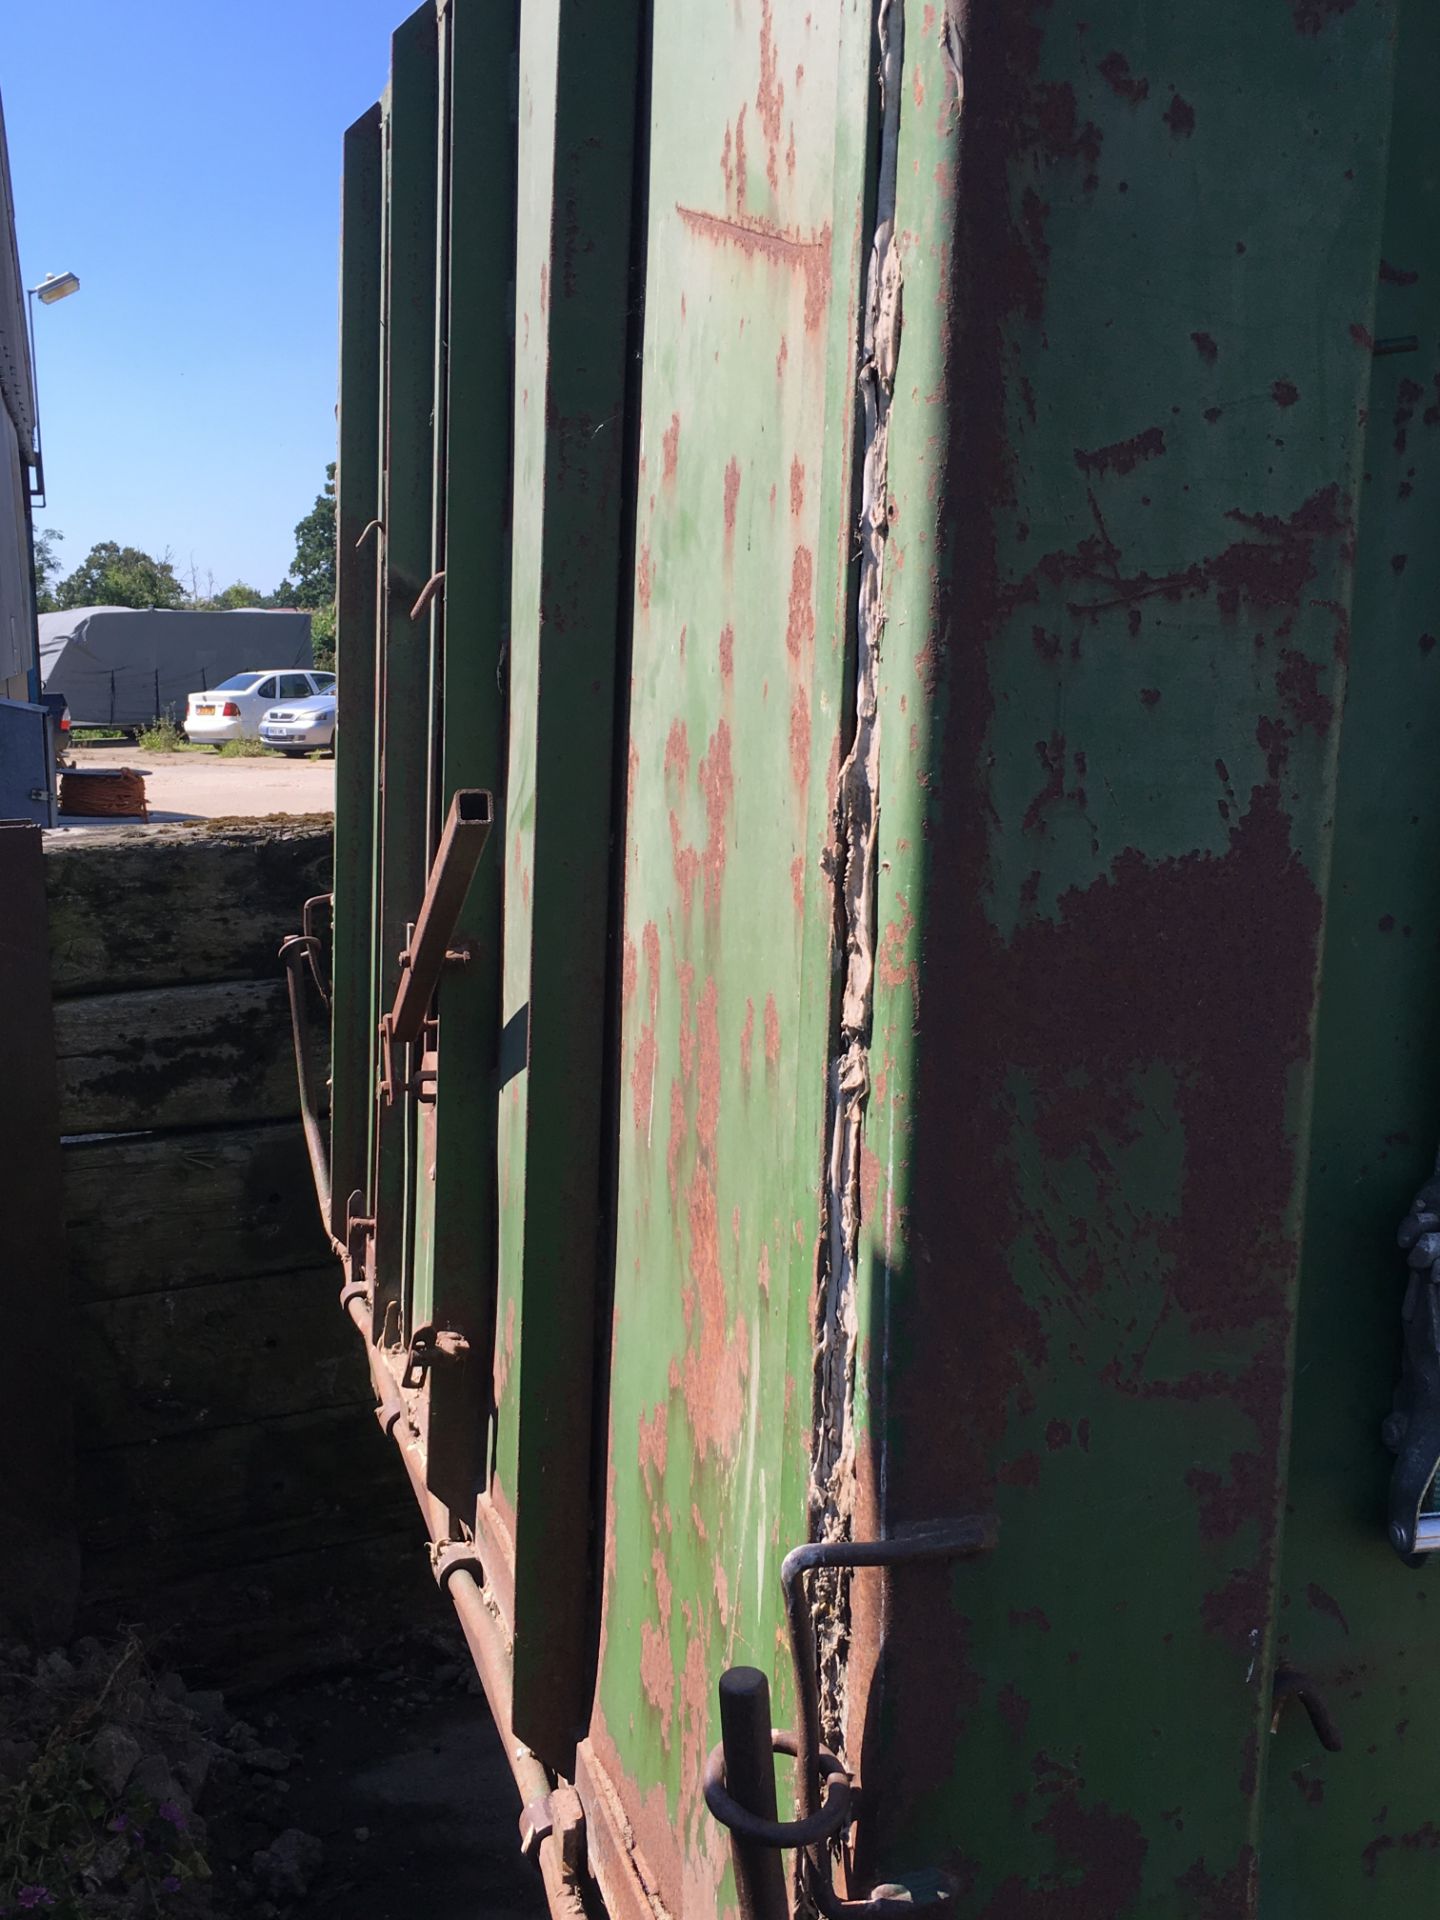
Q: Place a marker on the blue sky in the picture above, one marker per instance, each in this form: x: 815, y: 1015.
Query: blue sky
x: 185, y: 161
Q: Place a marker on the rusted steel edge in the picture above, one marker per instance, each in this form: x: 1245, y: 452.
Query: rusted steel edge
x: 455, y: 1564
x: 618, y: 1868
x: 295, y: 952
x: 467, y: 828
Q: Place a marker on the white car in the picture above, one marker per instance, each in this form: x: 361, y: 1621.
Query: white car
x: 234, y: 709
x: 300, y: 726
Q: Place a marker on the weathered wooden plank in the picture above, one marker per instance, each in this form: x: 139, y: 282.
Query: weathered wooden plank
x: 145, y: 907
x: 169, y: 1212
x: 338, y: 1602
x: 176, y: 1057
x: 40, y: 1582
x: 201, y: 1502
x: 160, y: 1364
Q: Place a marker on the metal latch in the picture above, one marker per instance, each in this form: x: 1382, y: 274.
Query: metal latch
x: 740, y: 1775
x: 429, y: 1345
x: 429, y: 948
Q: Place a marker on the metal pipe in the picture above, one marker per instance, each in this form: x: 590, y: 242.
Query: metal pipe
x: 482, y: 1631
x: 750, y: 1778
x: 293, y: 953
x: 467, y: 828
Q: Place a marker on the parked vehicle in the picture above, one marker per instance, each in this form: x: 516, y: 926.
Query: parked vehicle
x: 301, y: 725
x: 932, y: 563
x: 234, y: 709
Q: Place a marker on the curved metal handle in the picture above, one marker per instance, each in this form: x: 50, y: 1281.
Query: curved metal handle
x: 296, y: 953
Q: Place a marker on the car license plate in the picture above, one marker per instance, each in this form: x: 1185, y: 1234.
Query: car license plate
x: 205, y: 709
x: 279, y: 733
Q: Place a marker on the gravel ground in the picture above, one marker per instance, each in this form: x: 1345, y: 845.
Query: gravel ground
x: 211, y: 786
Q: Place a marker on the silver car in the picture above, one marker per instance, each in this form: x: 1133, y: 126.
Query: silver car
x: 300, y: 726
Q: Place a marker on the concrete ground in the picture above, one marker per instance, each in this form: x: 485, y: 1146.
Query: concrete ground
x: 211, y: 786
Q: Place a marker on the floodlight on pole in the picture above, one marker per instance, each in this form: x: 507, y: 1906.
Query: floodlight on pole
x: 55, y: 286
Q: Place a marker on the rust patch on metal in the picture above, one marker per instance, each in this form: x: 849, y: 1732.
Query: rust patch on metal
x: 1115, y: 70
x: 893, y: 964
x: 642, y: 1078
x: 772, y: 1032
x: 741, y: 181
x: 1311, y: 17
x: 797, y: 486
x: 676, y: 1143
x: 1124, y: 455
x: 1206, y: 348
x: 800, y: 625
x: 654, y: 1447
x: 642, y: 578
x: 670, y: 448
x: 747, y: 1040
x: 797, y: 882
x: 761, y: 239
x: 1179, y: 116
x: 1284, y: 393
x: 1099, y: 1857
x: 629, y: 971
x: 677, y: 752
x: 727, y: 652
x: 770, y: 96
x: 800, y: 738
x: 732, y: 498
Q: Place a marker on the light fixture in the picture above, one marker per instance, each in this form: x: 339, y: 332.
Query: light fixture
x: 55, y: 286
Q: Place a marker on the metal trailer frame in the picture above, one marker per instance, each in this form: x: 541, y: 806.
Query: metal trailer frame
x: 882, y: 1174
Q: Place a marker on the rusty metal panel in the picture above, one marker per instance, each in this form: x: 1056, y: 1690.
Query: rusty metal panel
x: 1139, y: 263
x: 357, y: 488
x: 1354, y: 1832
x: 738, y: 722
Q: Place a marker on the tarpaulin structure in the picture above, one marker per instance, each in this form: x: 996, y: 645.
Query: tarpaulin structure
x: 123, y: 666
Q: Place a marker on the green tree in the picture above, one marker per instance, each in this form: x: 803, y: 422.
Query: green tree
x: 239, y: 596
x: 47, y: 568
x: 114, y: 576
x: 322, y: 637
x: 313, y: 568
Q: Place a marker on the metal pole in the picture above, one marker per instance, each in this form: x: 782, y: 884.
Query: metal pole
x: 750, y: 1779
x: 37, y: 489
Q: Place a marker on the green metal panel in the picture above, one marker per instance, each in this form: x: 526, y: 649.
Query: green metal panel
x: 579, y: 76
x: 470, y: 708
x: 1139, y: 255
x: 738, y: 720
x: 1355, y: 1832
x: 358, y: 498
x: 405, y: 535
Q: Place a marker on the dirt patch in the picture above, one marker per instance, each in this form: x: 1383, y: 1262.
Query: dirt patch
x: 379, y: 1790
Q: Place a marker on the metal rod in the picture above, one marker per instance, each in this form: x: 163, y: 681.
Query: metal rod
x: 467, y: 828
x: 937, y: 1540
x: 294, y: 954
x: 482, y: 1630
x: 750, y: 1778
